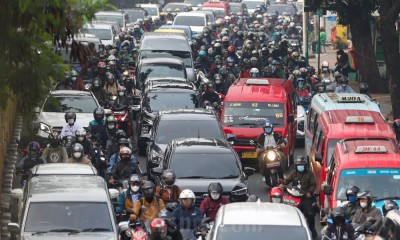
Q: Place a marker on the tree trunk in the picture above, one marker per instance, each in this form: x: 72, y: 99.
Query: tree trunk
x: 390, y: 41
x: 362, y: 42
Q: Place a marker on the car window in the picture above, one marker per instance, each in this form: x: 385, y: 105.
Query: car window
x: 316, y: 137
x: 159, y: 70
x: 219, y: 12
x: 184, y: 55
x: 252, y: 4
x: 236, y: 232
x: 157, y: 101
x: 190, y: 20
x: 281, y: 9
x: 312, y: 121
x: 102, y: 34
x: 135, y: 15
x: 194, y: 3
x: 77, y: 104
x: 152, y: 11
x: 111, y: 18
x: 331, y: 147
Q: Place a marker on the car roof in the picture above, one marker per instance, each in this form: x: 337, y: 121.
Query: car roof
x: 242, y: 91
x: 70, y: 93
x: 46, y: 188
x: 63, y: 169
x: 236, y: 4
x: 98, y: 26
x: 175, y: 61
x: 331, y: 101
x: 196, y: 14
x: 109, y: 13
x: 163, y: 88
x: 201, y: 145
x: 175, y: 27
x: 260, y: 213
x: 353, y: 122
x: 162, y: 41
x: 215, y: 4
x: 187, y: 114
x: 149, y: 5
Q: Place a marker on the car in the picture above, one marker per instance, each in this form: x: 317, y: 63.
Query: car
x: 116, y: 25
x: 186, y: 29
x: 196, y: 21
x: 196, y: 4
x: 166, y: 68
x: 169, y: 45
x: 59, y: 206
x: 281, y: 8
x: 183, y: 7
x: 239, y: 7
x: 248, y: 220
x: 210, y: 14
x: 199, y: 161
x: 135, y: 14
x: 113, y: 16
x: 62, y: 169
x: 164, y: 96
x: 153, y: 10
x: 51, y: 115
x: 182, y: 123
x: 220, y: 9
x: 105, y: 32
x: 252, y: 5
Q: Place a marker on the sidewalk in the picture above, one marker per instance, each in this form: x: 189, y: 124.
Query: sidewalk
x: 383, y: 99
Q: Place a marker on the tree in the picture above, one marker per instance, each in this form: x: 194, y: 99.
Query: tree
x: 389, y: 12
x: 29, y: 30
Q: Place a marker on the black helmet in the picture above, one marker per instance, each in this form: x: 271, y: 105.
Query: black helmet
x: 343, y: 81
x: 363, y: 88
x: 134, y: 178
x: 124, y: 141
x: 98, y: 114
x: 148, y: 189
x: 321, y: 88
x: 352, y: 191
x: 120, y: 134
x: 365, y: 195
x: 70, y: 115
x: 96, y: 82
x: 215, y: 187
x: 338, y: 215
x: 300, y: 160
x: 168, y: 176
x: 253, y: 198
x: 77, y: 151
x: 389, y: 205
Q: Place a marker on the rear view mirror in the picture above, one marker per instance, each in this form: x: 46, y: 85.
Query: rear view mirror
x: 36, y: 110
x: 318, y: 157
x: 290, y: 118
x: 327, y: 189
x: 13, y: 228
x: 114, y: 193
x: 123, y: 226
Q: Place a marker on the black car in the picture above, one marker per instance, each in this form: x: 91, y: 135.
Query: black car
x: 183, y: 123
x: 199, y: 161
x: 163, y: 96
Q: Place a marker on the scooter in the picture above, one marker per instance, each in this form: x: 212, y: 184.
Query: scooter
x: 273, y: 166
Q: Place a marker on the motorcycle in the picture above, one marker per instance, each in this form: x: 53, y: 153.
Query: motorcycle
x: 135, y: 230
x: 123, y: 120
x: 361, y: 231
x: 293, y: 196
x: 273, y: 164
x: 213, y: 106
x: 305, y: 102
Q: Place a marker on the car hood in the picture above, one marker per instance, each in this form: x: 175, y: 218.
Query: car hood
x: 190, y: 74
x: 201, y: 185
x: 197, y: 29
x: 56, y: 119
x: 55, y: 236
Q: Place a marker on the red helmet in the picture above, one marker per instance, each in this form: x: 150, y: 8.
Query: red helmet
x: 276, y: 195
x: 158, y: 228
x: 231, y: 49
x: 101, y: 65
x: 139, y: 235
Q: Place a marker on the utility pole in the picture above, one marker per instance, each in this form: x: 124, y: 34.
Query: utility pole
x: 305, y: 34
x: 318, y: 43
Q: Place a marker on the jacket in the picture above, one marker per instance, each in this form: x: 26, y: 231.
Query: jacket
x: 329, y: 232
x: 69, y: 130
x: 351, y: 209
x: 126, y: 201
x: 278, y: 139
x: 122, y: 170
x: 361, y: 216
x: 95, y: 127
x: 27, y: 163
x: 210, y: 207
x: 84, y: 160
x: 113, y: 89
x: 147, y: 211
x: 306, y: 178
x: 87, y: 146
x: 168, y: 194
x: 187, y: 218
x: 114, y: 159
x: 55, y: 155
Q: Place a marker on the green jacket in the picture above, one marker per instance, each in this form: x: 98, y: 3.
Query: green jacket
x: 322, y: 38
x: 306, y: 178
x: 55, y: 155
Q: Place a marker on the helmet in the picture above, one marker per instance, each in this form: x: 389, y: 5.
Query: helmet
x: 217, y: 78
x: 120, y: 134
x: 165, y: 215
x: 168, y: 176
x: 276, y: 195
x: 268, y: 127
x: 363, y: 88
x: 158, y: 228
x: 74, y: 75
x: 70, y: 115
x: 134, y: 178
x: 54, y: 139
x: 215, y: 190
x: 187, y: 193
x: 77, y: 151
x: 101, y: 65
x: 297, y: 73
x: 365, y: 195
x: 389, y: 205
x: 254, y: 73
x: 295, y: 55
x: 300, y: 160
x: 338, y: 215
x: 123, y: 141
x: 225, y: 39
x: 321, y: 88
x: 230, y: 61
x: 210, y: 85
x: 202, y: 53
x: 34, y: 148
x: 80, y: 134
x: 343, y: 81
x: 253, y: 198
x: 98, y: 114
x: 125, y: 153
x: 231, y: 49
x: 121, y: 90
x: 351, y: 193
x: 325, y: 66
x: 111, y: 122
x: 148, y: 189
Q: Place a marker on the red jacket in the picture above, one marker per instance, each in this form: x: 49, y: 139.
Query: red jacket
x: 209, y: 207
x: 245, y: 74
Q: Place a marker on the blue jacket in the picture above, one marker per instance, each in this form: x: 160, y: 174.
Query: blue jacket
x: 115, y: 158
x: 95, y: 126
x: 187, y: 219
x: 123, y: 197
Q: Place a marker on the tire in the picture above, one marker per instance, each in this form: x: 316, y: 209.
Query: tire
x: 271, y: 179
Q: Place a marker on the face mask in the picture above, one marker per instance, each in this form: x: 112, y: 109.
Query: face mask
x: 110, y: 126
x: 71, y: 121
x: 363, y: 205
x: 217, y: 81
x: 73, y: 79
x: 276, y: 200
x: 135, y: 188
x: 80, y: 139
x: 121, y: 93
x: 215, y: 196
x: 268, y: 130
x: 301, y: 85
x: 300, y: 168
x: 77, y: 154
x: 344, y: 86
x: 352, y: 199
x: 230, y: 64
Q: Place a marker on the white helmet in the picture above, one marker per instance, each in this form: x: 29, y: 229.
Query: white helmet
x: 325, y: 66
x: 292, y: 24
x: 187, y: 193
x: 254, y: 72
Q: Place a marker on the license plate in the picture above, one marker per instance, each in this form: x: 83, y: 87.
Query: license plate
x: 274, y: 164
x: 249, y: 154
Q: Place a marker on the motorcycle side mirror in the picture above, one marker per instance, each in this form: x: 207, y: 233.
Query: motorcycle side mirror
x: 327, y: 189
x: 123, y: 226
x: 114, y: 193
x: 156, y: 171
x: 318, y: 157
x: 290, y: 118
x: 17, y: 193
x: 230, y: 137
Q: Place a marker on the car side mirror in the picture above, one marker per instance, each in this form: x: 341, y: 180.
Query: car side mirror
x: 249, y: 171
x: 156, y: 171
x: 13, y: 228
x: 114, y: 193
x: 290, y: 118
x: 230, y: 137
x: 327, y: 189
x: 36, y: 110
x: 17, y: 193
x: 318, y: 157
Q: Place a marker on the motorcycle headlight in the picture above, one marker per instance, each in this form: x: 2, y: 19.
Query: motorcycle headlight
x: 44, y: 127
x: 241, y: 191
x: 271, y: 155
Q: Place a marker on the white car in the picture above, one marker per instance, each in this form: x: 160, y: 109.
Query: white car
x: 113, y: 16
x: 252, y: 5
x: 105, y: 32
x: 258, y: 221
x: 153, y: 10
x: 196, y: 21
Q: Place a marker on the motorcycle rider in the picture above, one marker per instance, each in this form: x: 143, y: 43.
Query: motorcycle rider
x: 70, y: 128
x: 98, y: 122
x: 124, y: 168
x: 292, y: 30
x: 344, y: 87
x: 107, y: 135
x: 304, y: 179
x: 122, y: 142
x: 172, y: 229
x: 148, y: 207
x: 111, y: 87
x: 337, y: 227
x: 364, y: 89
x: 396, y: 127
x: 168, y: 191
x: 127, y: 199
x: 353, y: 205
x: 211, y: 204
x: 55, y: 152
x: 276, y: 195
x: 122, y: 101
x: 98, y: 91
x: 80, y: 137
x: 78, y: 155
x: 301, y: 91
x: 158, y: 230
x: 211, y: 96
x: 367, y: 211
x: 76, y: 81
x: 32, y: 159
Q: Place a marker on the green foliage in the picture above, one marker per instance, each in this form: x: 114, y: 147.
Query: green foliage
x: 29, y: 30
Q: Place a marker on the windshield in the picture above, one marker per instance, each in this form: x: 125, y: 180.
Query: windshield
x: 252, y: 4
x: 381, y: 182
x: 155, y: 102
x: 235, y: 9
x: 195, y: 2
x: 68, y: 216
x: 258, y: 232
x: 152, y: 11
x: 218, y: 12
x: 184, y: 55
x: 135, y: 15
x: 190, y: 21
x: 187, y: 31
x: 111, y: 18
x: 331, y: 147
x: 205, y: 165
x: 253, y: 112
x: 77, y: 104
x: 173, y: 6
x: 281, y: 9
x: 102, y: 34
x: 161, y: 71
x: 169, y: 130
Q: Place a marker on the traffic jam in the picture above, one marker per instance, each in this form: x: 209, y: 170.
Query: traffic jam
x: 205, y: 120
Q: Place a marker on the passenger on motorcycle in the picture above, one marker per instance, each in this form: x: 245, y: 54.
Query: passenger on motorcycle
x: 32, y: 159
x: 127, y: 198
x: 168, y: 191
x: 124, y: 168
x: 301, y: 91
x: 337, y: 227
x: 367, y: 211
x: 389, y: 205
x: 147, y: 208
x: 172, y: 229
x: 187, y: 216
x: 55, y: 152
x: 343, y: 86
x: 80, y: 137
x: 353, y: 205
x: 276, y: 195
x: 115, y: 158
x: 211, y: 96
x: 211, y: 204
x: 70, y: 128
x: 78, y: 155
x: 98, y: 122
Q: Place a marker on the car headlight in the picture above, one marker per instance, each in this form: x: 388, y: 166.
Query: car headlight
x: 271, y: 155
x: 241, y: 191
x: 44, y: 127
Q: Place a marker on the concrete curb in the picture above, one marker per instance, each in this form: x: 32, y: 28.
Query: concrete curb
x: 10, y: 162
